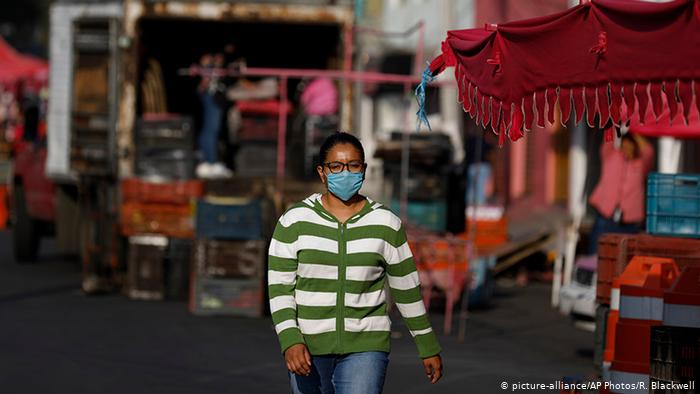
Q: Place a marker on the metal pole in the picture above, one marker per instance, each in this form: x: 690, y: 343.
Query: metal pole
x: 364, y: 76
x: 405, y: 154
x: 282, y: 131
x: 346, y: 90
x: 418, y: 61
x: 349, y: 46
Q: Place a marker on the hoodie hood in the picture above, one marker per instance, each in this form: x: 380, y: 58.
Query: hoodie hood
x: 314, y: 201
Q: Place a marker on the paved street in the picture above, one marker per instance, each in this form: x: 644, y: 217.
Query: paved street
x: 53, y: 339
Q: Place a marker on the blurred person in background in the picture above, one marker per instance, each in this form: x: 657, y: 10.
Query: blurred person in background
x: 211, y: 94
x: 619, y: 197
x: 329, y: 259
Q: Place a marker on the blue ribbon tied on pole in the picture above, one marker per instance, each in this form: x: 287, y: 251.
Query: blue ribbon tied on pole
x: 420, y: 97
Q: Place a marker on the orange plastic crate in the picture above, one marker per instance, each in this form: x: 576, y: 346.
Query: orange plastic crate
x: 488, y: 232
x: 166, y: 219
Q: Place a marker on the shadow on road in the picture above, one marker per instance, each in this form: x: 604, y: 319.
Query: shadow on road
x: 39, y: 293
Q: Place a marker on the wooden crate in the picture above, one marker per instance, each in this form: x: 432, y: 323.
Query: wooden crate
x: 145, y: 270
x: 165, y: 163
x: 161, y: 131
x: 178, y: 268
x: 230, y: 259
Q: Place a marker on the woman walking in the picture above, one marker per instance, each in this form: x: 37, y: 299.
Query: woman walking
x: 329, y: 259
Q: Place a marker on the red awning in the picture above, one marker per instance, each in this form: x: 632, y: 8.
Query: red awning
x: 603, y: 56
x: 15, y: 66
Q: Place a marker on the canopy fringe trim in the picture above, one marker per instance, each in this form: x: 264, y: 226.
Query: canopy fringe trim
x: 603, y: 104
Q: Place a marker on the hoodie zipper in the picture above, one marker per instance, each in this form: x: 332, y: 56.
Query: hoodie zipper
x: 341, y: 293
x: 342, y: 251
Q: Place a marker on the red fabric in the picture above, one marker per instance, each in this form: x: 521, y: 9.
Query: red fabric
x: 595, y: 54
x: 15, y: 66
x: 667, y: 125
x: 622, y: 183
x: 320, y: 97
x: 263, y: 107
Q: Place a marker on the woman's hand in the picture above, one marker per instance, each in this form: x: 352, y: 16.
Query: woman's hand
x: 433, y: 368
x: 298, y: 359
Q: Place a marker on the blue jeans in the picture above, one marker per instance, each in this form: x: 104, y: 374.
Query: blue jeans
x: 604, y: 225
x: 354, y: 373
x: 211, y: 124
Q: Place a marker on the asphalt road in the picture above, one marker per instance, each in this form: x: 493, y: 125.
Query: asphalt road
x: 54, y: 339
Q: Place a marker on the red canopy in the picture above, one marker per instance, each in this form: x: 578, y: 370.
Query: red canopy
x: 15, y: 66
x: 603, y: 56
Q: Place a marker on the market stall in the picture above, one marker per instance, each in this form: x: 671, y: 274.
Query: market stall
x: 603, y: 62
x: 591, y: 60
x: 15, y: 67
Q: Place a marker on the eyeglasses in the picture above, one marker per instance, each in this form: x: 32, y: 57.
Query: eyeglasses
x: 336, y: 167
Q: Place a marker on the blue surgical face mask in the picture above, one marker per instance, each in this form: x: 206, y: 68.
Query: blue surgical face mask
x: 345, y: 184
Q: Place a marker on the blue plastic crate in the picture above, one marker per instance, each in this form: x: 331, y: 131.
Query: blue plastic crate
x: 430, y: 215
x: 673, y: 204
x: 218, y: 220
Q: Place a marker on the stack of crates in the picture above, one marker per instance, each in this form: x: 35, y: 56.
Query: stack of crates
x: 674, y: 359
x: 615, y: 251
x: 229, y: 258
x: 158, y: 219
x: 165, y: 147
x: 641, y: 290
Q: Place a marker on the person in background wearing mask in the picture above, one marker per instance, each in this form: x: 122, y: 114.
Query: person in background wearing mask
x: 329, y: 258
x: 620, y: 194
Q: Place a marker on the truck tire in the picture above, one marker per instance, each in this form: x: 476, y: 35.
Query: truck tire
x: 25, y: 235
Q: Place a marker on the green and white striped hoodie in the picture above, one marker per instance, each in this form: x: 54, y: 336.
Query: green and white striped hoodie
x: 326, y: 281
